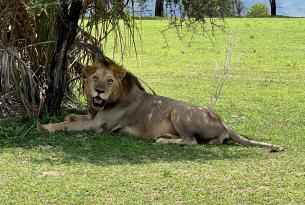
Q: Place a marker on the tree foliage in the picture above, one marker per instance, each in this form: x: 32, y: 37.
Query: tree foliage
x: 258, y: 10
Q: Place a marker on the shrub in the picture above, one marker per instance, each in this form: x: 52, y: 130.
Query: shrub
x: 258, y: 10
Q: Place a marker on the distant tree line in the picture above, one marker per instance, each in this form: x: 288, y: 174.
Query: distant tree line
x: 234, y: 7
x: 195, y: 8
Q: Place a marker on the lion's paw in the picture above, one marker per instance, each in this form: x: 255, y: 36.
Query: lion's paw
x: 43, y: 129
x: 162, y: 141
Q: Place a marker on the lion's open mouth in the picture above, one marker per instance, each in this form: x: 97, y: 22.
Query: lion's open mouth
x: 98, y: 102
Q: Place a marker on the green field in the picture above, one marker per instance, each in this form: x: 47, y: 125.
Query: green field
x: 263, y: 98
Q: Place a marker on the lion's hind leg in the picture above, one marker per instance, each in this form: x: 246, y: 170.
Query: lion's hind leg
x: 183, y: 137
x: 220, y: 140
x: 165, y: 139
x: 175, y: 139
x: 169, y: 136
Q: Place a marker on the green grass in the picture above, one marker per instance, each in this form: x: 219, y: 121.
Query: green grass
x: 264, y: 98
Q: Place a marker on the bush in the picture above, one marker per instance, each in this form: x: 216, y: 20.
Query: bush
x: 258, y: 10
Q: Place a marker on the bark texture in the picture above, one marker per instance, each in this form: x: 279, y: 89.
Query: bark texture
x: 159, y: 9
x: 67, y: 21
x: 273, y: 7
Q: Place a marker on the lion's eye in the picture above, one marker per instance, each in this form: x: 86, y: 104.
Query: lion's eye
x: 95, y: 78
x: 110, y: 81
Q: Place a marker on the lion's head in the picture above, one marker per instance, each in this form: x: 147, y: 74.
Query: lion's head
x: 103, y: 84
x: 106, y: 84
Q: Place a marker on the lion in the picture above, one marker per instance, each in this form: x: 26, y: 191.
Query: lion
x: 122, y: 105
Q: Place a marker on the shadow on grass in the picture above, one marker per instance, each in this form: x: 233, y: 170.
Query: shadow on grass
x: 111, y: 149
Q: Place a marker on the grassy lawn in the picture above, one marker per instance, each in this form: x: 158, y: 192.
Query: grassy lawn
x: 264, y: 98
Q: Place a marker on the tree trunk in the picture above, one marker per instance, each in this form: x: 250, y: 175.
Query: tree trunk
x: 239, y: 7
x: 67, y: 21
x: 159, y: 10
x: 273, y: 7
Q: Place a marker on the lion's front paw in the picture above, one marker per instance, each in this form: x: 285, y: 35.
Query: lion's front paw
x: 44, y: 128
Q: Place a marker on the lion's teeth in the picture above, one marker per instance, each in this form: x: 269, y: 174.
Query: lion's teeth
x: 98, y: 101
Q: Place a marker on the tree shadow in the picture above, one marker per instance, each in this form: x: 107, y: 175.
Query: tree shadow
x: 112, y: 149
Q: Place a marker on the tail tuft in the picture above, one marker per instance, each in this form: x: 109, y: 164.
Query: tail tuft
x: 276, y: 148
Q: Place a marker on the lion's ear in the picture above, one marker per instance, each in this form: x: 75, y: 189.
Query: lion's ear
x: 118, y: 71
x: 89, y: 70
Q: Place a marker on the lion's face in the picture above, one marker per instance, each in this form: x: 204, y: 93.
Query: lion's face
x: 102, y: 84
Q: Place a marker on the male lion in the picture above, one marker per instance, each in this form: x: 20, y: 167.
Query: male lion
x: 121, y: 104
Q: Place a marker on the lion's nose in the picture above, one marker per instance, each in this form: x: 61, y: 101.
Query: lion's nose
x: 99, y: 91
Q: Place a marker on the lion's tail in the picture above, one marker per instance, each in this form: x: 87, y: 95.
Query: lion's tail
x: 252, y: 143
